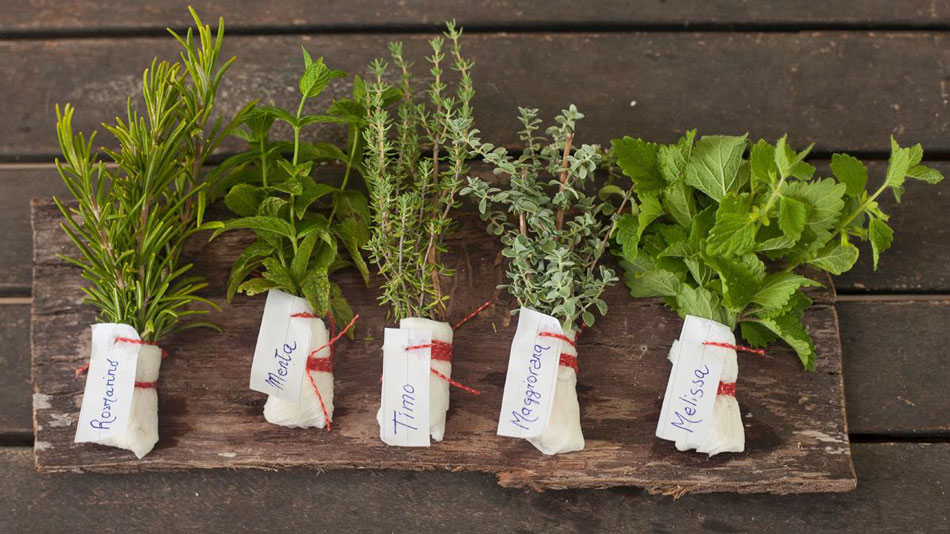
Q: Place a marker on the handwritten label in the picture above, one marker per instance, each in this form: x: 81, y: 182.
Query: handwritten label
x: 280, y: 358
x: 532, y: 376
x: 405, y: 400
x: 107, y: 399
x: 694, y: 381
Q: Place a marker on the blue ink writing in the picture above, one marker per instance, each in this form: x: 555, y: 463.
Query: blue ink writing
x: 524, y: 417
x: 283, y: 358
x: 691, y: 401
x: 106, y: 416
x: 404, y: 415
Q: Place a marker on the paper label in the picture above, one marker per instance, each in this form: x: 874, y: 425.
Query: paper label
x: 280, y: 358
x: 694, y: 382
x: 110, y: 381
x: 405, y: 401
x: 532, y: 376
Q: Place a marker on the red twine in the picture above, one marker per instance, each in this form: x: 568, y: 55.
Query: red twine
x: 472, y: 315
x: 566, y: 360
x: 741, y: 348
x: 143, y: 385
x: 727, y: 388
x: 325, y: 364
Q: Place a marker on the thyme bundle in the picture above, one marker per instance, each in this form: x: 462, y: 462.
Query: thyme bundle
x: 414, y: 164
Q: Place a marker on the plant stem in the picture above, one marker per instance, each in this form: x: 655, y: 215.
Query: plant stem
x: 559, y: 222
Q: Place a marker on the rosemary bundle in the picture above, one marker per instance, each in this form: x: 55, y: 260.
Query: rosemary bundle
x: 130, y: 225
x: 414, y: 164
x: 132, y: 218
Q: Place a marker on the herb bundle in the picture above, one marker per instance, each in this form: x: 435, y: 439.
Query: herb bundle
x: 132, y: 218
x: 554, y: 234
x: 302, y: 226
x: 414, y: 163
x: 721, y: 236
x: 414, y: 166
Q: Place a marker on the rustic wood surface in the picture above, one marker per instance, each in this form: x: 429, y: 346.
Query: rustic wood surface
x: 796, y: 438
x: 901, y: 488
x: 27, y: 17
x: 646, y: 84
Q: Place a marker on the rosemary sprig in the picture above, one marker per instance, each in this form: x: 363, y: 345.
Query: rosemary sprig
x: 133, y: 218
x: 414, y: 165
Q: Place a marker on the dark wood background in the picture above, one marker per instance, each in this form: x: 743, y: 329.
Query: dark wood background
x: 842, y: 74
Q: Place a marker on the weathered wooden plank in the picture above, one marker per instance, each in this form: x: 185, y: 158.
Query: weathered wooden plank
x: 894, y: 355
x: 796, y: 436
x: 649, y: 84
x: 916, y: 263
x: 881, y: 340
x: 902, y: 489
x: 15, y: 417
x: 25, y: 16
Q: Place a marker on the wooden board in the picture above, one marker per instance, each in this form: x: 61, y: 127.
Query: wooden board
x: 890, y: 498
x: 655, y: 85
x: 24, y: 17
x: 796, y: 433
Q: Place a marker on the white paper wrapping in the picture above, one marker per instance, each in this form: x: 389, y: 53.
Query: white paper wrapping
x: 308, y: 413
x: 563, y: 433
x: 438, y: 388
x: 726, y: 432
x: 141, y: 433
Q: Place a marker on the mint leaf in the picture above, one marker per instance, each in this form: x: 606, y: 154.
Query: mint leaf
x: 638, y: 160
x: 262, y: 224
x: 733, y: 234
x: 792, y: 215
x: 741, y: 278
x: 256, y: 286
x: 650, y: 210
x: 700, y: 302
x: 836, y: 258
x: 627, y: 236
x: 851, y: 172
x: 244, y: 199
x: 678, y: 201
x: 714, y: 164
x: 881, y: 237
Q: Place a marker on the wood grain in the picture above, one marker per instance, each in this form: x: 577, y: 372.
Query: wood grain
x: 797, y: 438
x: 647, y: 84
x: 15, y: 418
x: 25, y: 16
x: 903, y: 489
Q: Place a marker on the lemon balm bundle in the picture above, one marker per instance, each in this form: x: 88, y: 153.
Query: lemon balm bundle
x: 130, y: 224
x: 722, y: 228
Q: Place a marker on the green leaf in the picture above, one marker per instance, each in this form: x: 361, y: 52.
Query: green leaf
x: 271, y: 225
x: 627, y: 236
x: 650, y: 210
x: 679, y: 203
x: 301, y: 260
x: 638, y: 160
x: 757, y: 335
x: 792, y: 332
x: 791, y: 217
x: 790, y: 163
x: 762, y: 162
x: 316, y: 289
x: 256, y: 286
x: 653, y: 283
x: 851, y: 172
x: 349, y: 234
x: 281, y: 276
x: 700, y: 302
x: 899, y: 166
x: 733, y: 234
x: 320, y: 152
x: 741, y: 278
x: 779, y: 287
x: 249, y: 260
x: 836, y: 257
x: 244, y: 199
x: 340, y: 309
x: 881, y: 237
x: 673, y: 158
x: 311, y: 193
x: 278, y: 113
x: 714, y: 164
x: 925, y: 174
x: 824, y: 202
x: 316, y: 77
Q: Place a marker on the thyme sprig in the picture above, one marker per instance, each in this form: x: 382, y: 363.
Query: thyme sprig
x: 414, y: 164
x: 132, y: 218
